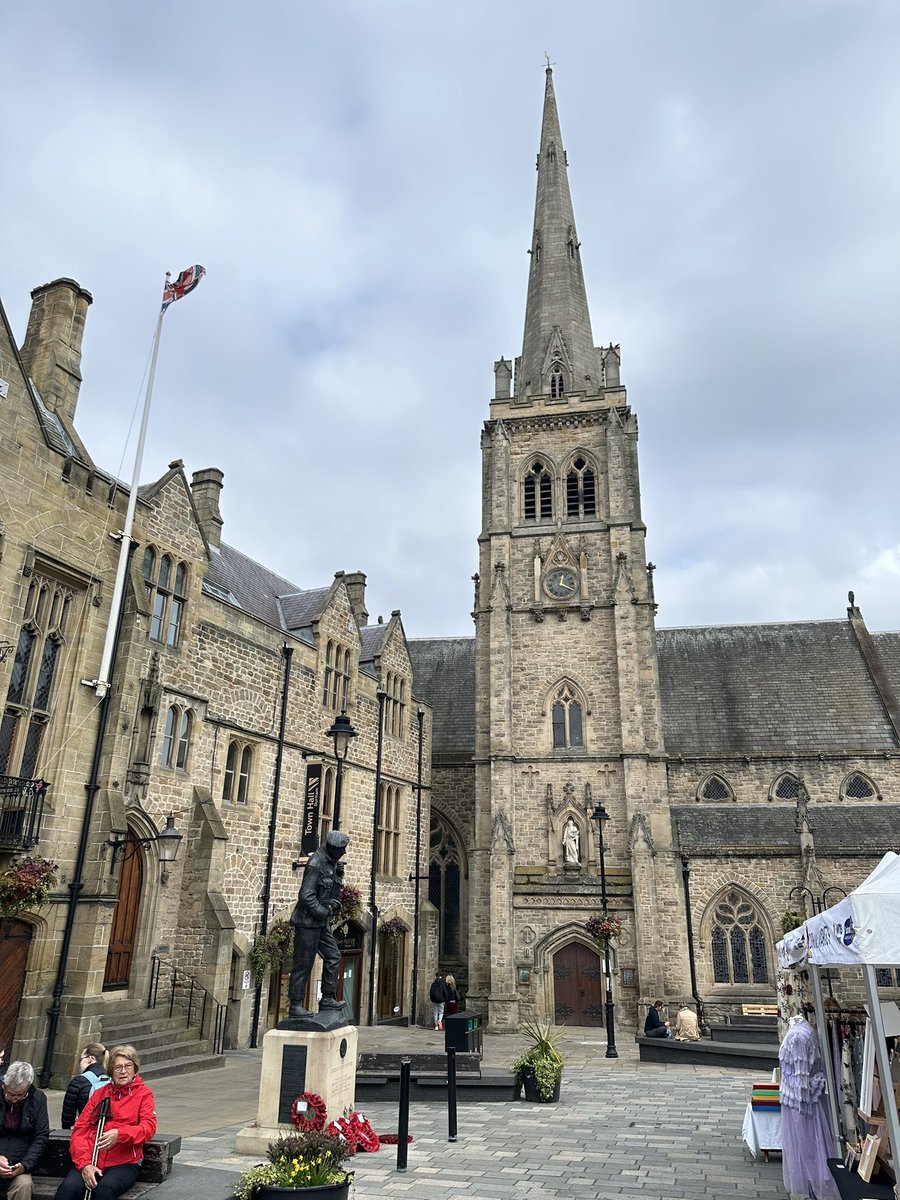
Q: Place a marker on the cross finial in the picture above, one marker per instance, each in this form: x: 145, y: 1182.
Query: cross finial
x: 549, y: 63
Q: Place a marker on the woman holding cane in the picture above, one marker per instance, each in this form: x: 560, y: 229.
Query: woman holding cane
x: 118, y: 1141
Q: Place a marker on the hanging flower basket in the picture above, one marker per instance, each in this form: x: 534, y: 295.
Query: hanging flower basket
x: 605, y: 930
x: 269, y: 952
x: 351, y: 904
x: 26, y: 884
x: 392, y: 930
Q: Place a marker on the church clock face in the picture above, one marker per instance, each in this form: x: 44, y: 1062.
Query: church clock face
x: 561, y: 583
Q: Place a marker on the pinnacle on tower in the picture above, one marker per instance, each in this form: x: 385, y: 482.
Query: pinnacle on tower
x: 558, y: 354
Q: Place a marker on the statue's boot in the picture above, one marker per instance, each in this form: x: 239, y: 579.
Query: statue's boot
x: 330, y: 1002
x: 297, y: 1010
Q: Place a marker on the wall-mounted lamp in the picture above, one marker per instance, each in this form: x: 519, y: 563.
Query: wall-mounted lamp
x: 167, y: 841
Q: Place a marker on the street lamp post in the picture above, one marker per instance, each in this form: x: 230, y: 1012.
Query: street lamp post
x: 340, y: 733
x: 381, y: 696
x: 600, y: 815
x: 420, y: 717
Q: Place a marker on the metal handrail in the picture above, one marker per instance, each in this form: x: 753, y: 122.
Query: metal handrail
x: 189, y: 995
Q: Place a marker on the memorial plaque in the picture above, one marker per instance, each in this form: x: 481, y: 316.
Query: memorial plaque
x: 293, y: 1080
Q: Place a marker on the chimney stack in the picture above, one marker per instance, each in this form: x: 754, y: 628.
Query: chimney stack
x: 355, y: 582
x: 206, y: 487
x: 51, y: 351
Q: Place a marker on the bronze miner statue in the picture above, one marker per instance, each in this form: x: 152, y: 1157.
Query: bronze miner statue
x: 317, y: 905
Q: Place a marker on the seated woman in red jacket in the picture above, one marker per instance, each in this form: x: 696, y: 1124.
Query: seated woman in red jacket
x: 131, y: 1123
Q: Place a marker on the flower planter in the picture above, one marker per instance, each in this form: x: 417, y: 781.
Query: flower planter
x: 530, y: 1088
x: 327, y: 1191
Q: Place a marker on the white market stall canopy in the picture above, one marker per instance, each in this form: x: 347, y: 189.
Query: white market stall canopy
x: 863, y: 928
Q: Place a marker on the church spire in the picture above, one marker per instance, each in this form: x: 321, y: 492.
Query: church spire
x: 558, y: 355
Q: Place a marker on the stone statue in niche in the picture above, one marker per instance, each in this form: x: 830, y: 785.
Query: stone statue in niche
x: 571, y: 841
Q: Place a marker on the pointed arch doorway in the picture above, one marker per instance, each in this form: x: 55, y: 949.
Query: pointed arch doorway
x: 15, y: 939
x: 125, y: 919
x: 577, y: 986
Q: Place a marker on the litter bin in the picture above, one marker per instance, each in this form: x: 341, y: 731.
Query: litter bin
x: 463, y: 1032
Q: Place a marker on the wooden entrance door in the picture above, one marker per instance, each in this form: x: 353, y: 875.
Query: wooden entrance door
x: 389, y: 991
x: 125, y: 918
x: 15, y: 937
x: 577, y: 986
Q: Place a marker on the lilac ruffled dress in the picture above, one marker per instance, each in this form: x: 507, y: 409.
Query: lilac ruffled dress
x: 805, y: 1133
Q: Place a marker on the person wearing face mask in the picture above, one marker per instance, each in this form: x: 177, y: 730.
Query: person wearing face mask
x: 24, y: 1130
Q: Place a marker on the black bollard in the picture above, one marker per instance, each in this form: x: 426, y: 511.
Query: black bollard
x: 451, y: 1094
x: 403, y: 1118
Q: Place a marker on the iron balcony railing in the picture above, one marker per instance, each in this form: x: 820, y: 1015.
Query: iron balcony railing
x: 182, y: 991
x: 21, y: 811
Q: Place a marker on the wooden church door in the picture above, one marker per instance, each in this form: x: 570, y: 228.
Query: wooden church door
x: 125, y: 918
x: 577, y: 986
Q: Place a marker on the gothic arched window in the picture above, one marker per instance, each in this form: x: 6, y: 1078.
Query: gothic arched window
x: 445, y: 887
x: 538, y: 493
x: 557, y: 383
x: 566, y: 719
x: 581, y: 490
x: 858, y: 787
x: 714, y: 787
x: 738, y: 941
x: 787, y: 787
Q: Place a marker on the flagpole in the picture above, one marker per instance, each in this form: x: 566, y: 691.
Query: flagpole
x: 101, y: 684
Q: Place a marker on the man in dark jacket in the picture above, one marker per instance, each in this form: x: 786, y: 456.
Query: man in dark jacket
x: 24, y: 1130
x: 438, y: 998
x: 318, y: 903
x: 655, y: 1026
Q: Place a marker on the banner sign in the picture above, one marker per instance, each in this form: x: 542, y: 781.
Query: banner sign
x: 309, y: 832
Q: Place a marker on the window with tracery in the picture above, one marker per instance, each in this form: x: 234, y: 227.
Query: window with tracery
x: 39, y: 650
x: 787, y: 788
x: 858, y: 787
x: 388, y: 850
x: 566, y: 720
x: 238, y: 767
x: 581, y: 490
x: 538, y: 493
x: 336, y: 688
x: 715, y: 788
x: 738, y: 941
x: 176, y: 737
x: 166, y: 587
x: 557, y: 382
x: 445, y: 887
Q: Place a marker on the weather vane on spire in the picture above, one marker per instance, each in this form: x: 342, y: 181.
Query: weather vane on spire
x: 549, y: 63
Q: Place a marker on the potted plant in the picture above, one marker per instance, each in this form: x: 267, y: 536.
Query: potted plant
x: 309, y: 1162
x: 538, y: 1070
x: 26, y: 884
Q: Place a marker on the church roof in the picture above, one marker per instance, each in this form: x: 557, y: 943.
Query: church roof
x: 769, y: 689
x: 444, y: 676
x: 747, y: 828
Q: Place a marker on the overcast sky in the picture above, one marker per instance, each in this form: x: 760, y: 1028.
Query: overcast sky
x: 358, y: 179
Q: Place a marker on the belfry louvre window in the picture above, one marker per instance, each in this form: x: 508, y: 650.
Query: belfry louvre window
x: 738, y: 942
x: 557, y: 383
x: 238, y: 766
x: 167, y: 595
x: 39, y: 649
x: 336, y: 686
x: 581, y: 490
x: 566, y: 720
x: 538, y: 494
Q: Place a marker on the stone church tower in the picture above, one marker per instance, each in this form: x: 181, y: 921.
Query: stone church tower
x: 567, y: 706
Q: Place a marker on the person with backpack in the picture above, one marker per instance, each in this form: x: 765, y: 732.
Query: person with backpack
x: 438, y: 998
x: 92, y: 1075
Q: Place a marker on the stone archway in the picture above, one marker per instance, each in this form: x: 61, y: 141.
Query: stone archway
x: 577, y: 985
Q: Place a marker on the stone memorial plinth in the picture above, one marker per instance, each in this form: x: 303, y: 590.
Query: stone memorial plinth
x: 295, y: 1061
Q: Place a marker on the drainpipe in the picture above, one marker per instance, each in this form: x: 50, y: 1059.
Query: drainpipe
x: 685, y: 875
x: 288, y: 652
x: 376, y: 814
x: 76, y: 884
x: 420, y: 717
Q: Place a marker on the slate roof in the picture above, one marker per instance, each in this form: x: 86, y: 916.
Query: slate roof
x: 444, y: 677
x: 257, y: 590
x: 747, y: 828
x: 371, y: 637
x: 768, y: 689
x: 888, y: 647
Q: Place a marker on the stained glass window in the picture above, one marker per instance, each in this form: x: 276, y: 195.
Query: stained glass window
x: 738, y: 941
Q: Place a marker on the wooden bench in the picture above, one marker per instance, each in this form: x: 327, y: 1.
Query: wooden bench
x: 157, y: 1164
x: 759, y: 1010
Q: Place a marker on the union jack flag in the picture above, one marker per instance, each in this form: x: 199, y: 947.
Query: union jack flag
x: 186, y: 282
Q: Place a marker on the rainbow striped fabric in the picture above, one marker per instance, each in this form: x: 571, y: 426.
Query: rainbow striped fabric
x: 765, y: 1097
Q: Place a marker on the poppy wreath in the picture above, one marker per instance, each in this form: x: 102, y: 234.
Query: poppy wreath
x: 312, y: 1116
x: 356, y: 1132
